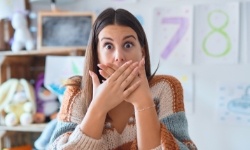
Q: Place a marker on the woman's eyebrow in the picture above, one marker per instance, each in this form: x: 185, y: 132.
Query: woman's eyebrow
x: 126, y: 37
x: 129, y: 36
x: 106, y: 38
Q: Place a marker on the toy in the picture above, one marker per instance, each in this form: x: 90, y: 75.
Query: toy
x: 17, y: 101
x: 47, y: 107
x: 22, y: 36
x: 47, y: 102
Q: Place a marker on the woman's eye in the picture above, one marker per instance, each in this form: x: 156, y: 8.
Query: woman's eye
x: 128, y: 45
x: 108, y: 46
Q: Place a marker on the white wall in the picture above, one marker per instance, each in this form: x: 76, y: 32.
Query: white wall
x: 205, y: 131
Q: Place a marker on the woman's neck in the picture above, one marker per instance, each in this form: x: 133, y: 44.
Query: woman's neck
x: 120, y: 115
x: 122, y: 111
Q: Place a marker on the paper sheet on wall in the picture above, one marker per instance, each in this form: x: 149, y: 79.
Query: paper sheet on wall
x: 217, y: 33
x: 58, y: 69
x: 233, y: 105
x: 8, y: 7
x: 172, y: 35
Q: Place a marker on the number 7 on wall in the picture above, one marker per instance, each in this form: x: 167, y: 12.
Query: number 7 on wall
x: 183, y: 27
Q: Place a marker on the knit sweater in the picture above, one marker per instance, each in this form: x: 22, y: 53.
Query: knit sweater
x: 167, y: 95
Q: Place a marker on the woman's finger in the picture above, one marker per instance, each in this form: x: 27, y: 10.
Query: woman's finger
x: 120, y: 71
x: 95, y: 80
x: 106, y: 68
x: 130, y: 78
x: 142, y: 67
x: 104, y: 74
x: 124, y: 76
x: 131, y: 89
x: 112, y: 66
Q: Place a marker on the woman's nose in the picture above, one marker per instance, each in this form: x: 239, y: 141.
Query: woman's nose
x: 119, y: 56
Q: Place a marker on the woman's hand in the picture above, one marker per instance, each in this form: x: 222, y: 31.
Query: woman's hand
x: 107, y: 70
x: 116, y: 88
x: 139, y: 96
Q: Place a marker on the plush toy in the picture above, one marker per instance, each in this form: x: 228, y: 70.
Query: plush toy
x: 17, y: 99
x: 22, y: 36
x: 47, y: 108
x: 47, y: 102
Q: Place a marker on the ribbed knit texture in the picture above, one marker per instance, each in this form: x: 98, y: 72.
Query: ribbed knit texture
x: 168, y: 97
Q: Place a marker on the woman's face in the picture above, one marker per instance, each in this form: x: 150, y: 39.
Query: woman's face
x: 118, y: 44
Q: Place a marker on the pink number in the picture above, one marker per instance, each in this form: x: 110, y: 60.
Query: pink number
x: 183, y: 22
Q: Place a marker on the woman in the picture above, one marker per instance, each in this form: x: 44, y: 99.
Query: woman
x: 119, y: 104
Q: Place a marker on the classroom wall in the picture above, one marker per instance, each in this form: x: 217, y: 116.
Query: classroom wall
x: 206, y: 130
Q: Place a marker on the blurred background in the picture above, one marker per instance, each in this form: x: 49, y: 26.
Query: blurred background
x: 204, y: 43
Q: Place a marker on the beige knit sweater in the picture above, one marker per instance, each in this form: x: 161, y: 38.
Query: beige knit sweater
x: 168, y: 98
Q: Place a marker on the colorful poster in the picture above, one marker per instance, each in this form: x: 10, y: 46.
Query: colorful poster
x: 217, y: 33
x: 233, y: 105
x: 172, y: 35
x: 58, y: 69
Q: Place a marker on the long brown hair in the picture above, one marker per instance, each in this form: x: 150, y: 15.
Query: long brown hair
x: 110, y: 16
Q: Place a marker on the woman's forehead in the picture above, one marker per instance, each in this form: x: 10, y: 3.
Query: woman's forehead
x: 117, y: 31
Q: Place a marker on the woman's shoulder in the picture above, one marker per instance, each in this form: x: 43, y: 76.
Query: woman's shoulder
x: 167, y: 92
x: 168, y: 79
x: 72, y: 105
x: 74, y: 81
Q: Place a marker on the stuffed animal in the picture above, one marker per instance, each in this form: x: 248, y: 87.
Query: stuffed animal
x: 47, y: 108
x: 17, y: 99
x: 22, y: 36
x: 47, y: 102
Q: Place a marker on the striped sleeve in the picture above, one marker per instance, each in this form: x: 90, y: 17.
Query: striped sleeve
x: 67, y: 134
x: 168, y: 96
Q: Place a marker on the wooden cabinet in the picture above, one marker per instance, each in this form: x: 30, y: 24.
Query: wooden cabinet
x: 26, y: 65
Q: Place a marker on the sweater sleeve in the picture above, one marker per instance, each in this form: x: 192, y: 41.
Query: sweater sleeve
x: 67, y: 134
x: 168, y: 96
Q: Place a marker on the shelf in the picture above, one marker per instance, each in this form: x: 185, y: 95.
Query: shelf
x: 27, y: 128
x: 27, y: 65
x: 42, y: 52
